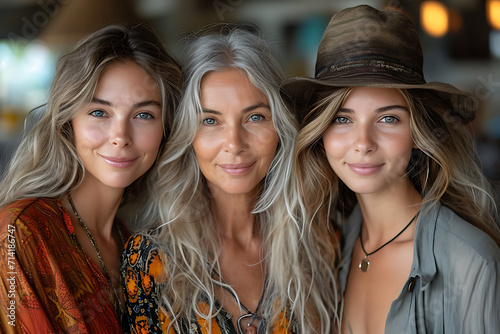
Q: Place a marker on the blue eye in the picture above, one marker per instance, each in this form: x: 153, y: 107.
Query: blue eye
x: 389, y: 119
x: 256, y: 118
x: 144, y: 115
x: 98, y: 113
x: 341, y: 120
x: 209, y: 121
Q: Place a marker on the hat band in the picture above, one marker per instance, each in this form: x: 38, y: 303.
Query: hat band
x: 366, y: 66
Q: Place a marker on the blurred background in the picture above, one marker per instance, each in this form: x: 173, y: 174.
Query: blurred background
x: 460, y: 39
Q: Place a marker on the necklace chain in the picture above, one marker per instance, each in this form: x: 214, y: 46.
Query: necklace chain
x: 96, y: 248
x: 243, y: 306
x: 251, y: 314
x: 365, y: 264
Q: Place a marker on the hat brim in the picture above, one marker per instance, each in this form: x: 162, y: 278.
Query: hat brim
x: 300, y: 92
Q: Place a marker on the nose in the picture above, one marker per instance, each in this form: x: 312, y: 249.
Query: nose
x: 364, y: 140
x: 235, y: 139
x: 120, y: 134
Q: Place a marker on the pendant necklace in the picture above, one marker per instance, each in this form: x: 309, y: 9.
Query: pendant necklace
x: 365, y: 264
x: 118, y: 307
x: 251, y: 322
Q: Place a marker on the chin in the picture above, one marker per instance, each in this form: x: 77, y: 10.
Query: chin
x: 238, y: 189
x: 119, y: 184
x: 364, y: 188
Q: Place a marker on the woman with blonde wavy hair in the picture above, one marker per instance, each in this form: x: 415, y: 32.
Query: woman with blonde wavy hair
x: 223, y: 254
x: 90, y: 148
x: 389, y: 157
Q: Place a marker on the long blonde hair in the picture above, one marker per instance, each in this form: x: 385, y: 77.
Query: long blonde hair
x: 46, y: 163
x: 444, y: 168
x: 187, y: 233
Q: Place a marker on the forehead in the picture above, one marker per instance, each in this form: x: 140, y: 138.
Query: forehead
x: 127, y: 82
x: 229, y: 86
x: 373, y: 97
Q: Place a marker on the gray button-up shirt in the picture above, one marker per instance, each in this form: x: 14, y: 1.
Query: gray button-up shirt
x: 454, y: 284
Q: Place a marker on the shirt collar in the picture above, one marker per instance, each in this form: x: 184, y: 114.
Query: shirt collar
x: 424, y: 263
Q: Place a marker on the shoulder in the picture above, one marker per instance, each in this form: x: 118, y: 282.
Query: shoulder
x: 28, y: 206
x: 141, y: 277
x: 454, y: 233
x: 466, y: 273
x: 453, y: 251
x: 142, y: 254
x: 31, y: 214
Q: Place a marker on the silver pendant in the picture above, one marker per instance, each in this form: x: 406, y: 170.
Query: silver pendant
x: 364, y: 264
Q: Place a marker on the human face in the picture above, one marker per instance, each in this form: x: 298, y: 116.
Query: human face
x: 369, y: 143
x: 118, y: 134
x: 236, y: 142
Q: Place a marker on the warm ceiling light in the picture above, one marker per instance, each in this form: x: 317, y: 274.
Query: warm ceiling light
x: 493, y: 13
x: 434, y: 18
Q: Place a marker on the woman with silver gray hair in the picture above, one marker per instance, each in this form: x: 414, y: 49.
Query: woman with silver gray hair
x: 222, y: 253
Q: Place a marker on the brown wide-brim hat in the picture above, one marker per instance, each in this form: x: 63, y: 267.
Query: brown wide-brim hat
x: 366, y: 47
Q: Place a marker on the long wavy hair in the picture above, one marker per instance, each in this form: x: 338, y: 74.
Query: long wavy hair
x: 182, y: 221
x: 444, y: 168
x: 46, y: 163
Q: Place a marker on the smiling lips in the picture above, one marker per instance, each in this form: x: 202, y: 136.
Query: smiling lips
x: 364, y: 168
x: 236, y: 169
x: 119, y: 162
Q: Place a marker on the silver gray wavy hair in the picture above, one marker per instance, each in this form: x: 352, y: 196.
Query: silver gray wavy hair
x: 181, y: 219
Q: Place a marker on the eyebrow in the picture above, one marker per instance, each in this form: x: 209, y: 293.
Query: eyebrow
x: 244, y: 110
x: 135, y: 106
x: 378, y: 110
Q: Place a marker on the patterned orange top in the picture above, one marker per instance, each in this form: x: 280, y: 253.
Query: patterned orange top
x: 48, y: 284
x: 142, y: 269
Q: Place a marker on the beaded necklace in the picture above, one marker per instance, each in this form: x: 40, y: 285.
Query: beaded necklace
x: 118, y: 307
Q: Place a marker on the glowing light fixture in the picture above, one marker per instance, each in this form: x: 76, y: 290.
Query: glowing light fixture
x: 434, y: 18
x: 493, y: 13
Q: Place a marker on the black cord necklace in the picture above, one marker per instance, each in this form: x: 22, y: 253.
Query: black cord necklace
x: 365, y: 264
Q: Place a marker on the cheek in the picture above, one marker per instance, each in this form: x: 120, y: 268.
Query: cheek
x: 334, y: 144
x: 150, y: 140
x: 205, y: 146
x: 267, y: 141
x: 397, y: 149
x: 147, y: 143
x: 399, y: 146
x: 89, y: 138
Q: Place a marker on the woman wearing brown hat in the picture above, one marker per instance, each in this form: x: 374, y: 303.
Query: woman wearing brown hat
x: 389, y: 156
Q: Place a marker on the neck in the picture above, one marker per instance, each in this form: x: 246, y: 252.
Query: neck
x: 97, y: 207
x: 386, y: 213
x: 234, y: 217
